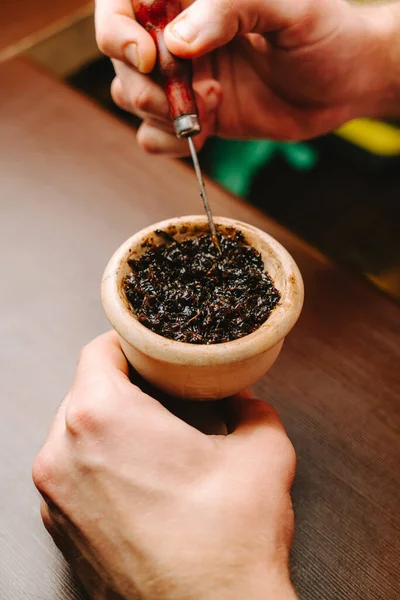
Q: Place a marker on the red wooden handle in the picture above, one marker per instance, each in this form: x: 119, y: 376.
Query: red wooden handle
x: 154, y: 16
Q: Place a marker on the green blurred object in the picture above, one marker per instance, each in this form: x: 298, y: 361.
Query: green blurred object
x: 234, y: 163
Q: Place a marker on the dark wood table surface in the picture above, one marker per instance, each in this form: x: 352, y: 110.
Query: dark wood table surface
x: 73, y: 186
x: 24, y: 22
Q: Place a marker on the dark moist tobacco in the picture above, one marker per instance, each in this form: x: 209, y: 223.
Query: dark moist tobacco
x: 189, y: 292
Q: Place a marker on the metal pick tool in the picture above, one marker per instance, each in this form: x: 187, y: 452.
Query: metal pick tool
x: 176, y: 75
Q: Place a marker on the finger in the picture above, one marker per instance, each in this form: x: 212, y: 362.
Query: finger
x: 98, y: 360
x: 155, y: 141
x: 209, y: 24
x: 58, y: 424
x: 165, y: 126
x: 258, y: 42
x: 51, y: 465
x: 54, y: 526
x: 206, y: 87
x: 100, y: 387
x: 82, y: 568
x: 137, y: 93
x: 249, y: 418
x: 119, y: 36
x: 257, y: 425
x: 48, y: 521
x: 103, y: 401
x: 55, y: 530
x: 102, y: 357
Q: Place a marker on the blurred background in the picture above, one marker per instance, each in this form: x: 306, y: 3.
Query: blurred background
x: 339, y: 192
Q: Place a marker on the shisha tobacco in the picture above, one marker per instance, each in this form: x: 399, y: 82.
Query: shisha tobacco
x: 189, y: 292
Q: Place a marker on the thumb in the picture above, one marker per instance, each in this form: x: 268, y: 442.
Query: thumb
x: 120, y: 37
x: 255, y: 425
x: 209, y: 24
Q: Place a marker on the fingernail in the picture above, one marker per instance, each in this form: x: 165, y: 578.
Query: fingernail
x: 183, y: 30
x: 132, y: 54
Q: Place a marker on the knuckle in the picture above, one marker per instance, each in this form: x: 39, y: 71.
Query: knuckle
x: 228, y: 12
x: 142, y: 99
x: 87, y: 418
x: 228, y: 7
x: 146, y: 142
x: 117, y: 93
x: 47, y: 519
x: 104, y: 41
x: 81, y: 419
x: 43, y: 471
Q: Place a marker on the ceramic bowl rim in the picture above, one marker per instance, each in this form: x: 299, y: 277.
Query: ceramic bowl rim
x: 274, y: 330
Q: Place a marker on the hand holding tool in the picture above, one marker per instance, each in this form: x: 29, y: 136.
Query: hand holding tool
x: 176, y: 74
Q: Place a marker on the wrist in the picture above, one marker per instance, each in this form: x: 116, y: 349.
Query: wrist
x: 379, y: 69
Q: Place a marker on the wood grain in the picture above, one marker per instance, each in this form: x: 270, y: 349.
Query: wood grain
x: 73, y: 186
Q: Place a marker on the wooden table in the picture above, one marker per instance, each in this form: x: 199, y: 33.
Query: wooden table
x: 25, y: 22
x: 73, y: 186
